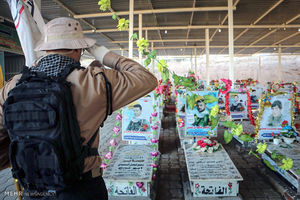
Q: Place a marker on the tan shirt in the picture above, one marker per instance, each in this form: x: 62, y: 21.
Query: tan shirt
x: 129, y: 81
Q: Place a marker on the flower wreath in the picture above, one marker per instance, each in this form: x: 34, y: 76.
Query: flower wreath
x: 206, y: 145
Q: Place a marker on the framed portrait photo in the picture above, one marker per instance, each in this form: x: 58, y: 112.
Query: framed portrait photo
x: 136, y: 121
x: 238, y: 105
x: 274, y: 109
x: 198, y: 107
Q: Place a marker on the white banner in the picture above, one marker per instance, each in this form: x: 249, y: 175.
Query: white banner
x: 29, y: 24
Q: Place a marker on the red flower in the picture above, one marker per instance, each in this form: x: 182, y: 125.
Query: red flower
x: 199, y: 142
x: 203, y: 144
x: 253, y: 135
x: 284, y: 123
x: 197, y: 185
x: 210, y: 144
x: 143, y: 189
x: 272, y: 134
x: 229, y: 185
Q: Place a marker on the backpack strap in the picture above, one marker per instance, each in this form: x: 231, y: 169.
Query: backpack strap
x: 108, y: 89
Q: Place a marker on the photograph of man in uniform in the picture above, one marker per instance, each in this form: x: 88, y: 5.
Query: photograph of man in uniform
x: 237, y: 105
x: 276, y: 118
x: 137, y: 123
x: 201, y: 115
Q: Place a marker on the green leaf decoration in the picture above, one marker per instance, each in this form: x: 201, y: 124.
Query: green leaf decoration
x: 298, y: 171
x: 152, y: 55
x: 134, y: 36
x: 165, y: 75
x: 229, y: 124
x: 104, y: 4
x: 274, y: 155
x: 209, y: 99
x: 117, y: 123
x: 106, y: 161
x: 214, y: 122
x: 111, y: 148
x: 238, y: 130
x: 261, y: 147
x: 191, y: 101
x: 123, y: 24
x: 269, y: 165
x: 154, y: 169
x: 227, y: 136
x: 114, y: 17
x: 245, y: 138
x: 176, y: 79
x: 287, y: 164
x: 147, y: 62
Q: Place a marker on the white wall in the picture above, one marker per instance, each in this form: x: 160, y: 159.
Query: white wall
x: 245, y: 67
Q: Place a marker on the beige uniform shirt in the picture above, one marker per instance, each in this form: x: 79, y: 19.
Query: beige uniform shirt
x: 129, y: 81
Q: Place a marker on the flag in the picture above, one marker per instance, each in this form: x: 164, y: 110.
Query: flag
x: 29, y: 24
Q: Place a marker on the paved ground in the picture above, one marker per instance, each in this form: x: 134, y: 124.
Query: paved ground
x: 172, y: 171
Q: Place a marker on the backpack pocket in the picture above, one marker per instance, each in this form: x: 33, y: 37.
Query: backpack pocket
x: 37, y: 163
x: 29, y: 116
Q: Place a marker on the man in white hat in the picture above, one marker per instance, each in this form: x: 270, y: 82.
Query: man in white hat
x: 64, y: 43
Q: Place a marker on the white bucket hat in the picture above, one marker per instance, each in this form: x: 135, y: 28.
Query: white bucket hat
x: 63, y: 33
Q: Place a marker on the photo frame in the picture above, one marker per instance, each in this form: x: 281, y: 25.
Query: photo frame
x: 274, y: 109
x: 136, y: 121
x: 198, y: 107
x: 237, y: 103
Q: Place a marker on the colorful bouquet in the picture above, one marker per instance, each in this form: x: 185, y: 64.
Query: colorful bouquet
x: 206, y: 145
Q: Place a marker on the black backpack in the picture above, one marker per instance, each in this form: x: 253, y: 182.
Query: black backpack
x: 46, y: 150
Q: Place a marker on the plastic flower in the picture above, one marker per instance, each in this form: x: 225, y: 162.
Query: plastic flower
x: 108, y: 155
x: 123, y: 24
x: 113, y: 142
x: 154, y: 127
x: 237, y: 130
x: 154, y: 153
x: 154, y: 140
x: 116, y: 129
x: 104, y: 4
x: 284, y: 123
x: 139, y: 184
x: 118, y: 117
x: 214, y: 111
x: 142, y: 44
x: 154, y: 114
x: 161, y: 65
x: 261, y: 148
x: 103, y: 166
x: 287, y: 164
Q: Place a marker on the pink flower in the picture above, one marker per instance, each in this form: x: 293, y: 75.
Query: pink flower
x: 154, y: 165
x: 154, y: 153
x: 118, y: 117
x: 197, y: 185
x: 103, y: 166
x: 154, y: 114
x: 143, y: 189
x: 154, y: 140
x: 113, y: 142
x: 154, y: 127
x: 139, y: 184
x: 116, y: 129
x: 108, y: 155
